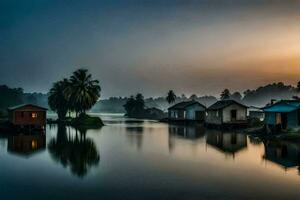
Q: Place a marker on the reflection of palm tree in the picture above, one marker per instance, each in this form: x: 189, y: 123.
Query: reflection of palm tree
x: 78, y: 152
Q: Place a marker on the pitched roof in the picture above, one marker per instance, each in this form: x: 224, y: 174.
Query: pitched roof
x: 223, y: 104
x: 283, y: 106
x: 24, y: 105
x: 184, y: 104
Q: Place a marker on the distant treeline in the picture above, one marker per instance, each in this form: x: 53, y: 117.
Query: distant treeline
x: 15, y: 96
x: 258, y: 97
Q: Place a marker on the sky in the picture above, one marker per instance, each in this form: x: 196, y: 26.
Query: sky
x: 151, y: 46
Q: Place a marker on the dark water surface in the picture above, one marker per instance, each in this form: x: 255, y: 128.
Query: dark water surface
x: 146, y: 160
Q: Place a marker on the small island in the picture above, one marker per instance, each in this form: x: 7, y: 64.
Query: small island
x: 76, y: 94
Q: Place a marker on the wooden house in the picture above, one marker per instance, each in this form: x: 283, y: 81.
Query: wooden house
x: 283, y: 115
x: 27, y: 116
x: 187, y: 110
x: 226, y: 112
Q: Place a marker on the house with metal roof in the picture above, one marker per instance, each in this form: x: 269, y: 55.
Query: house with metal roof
x: 283, y: 115
x: 27, y: 116
x: 187, y: 110
x: 226, y: 112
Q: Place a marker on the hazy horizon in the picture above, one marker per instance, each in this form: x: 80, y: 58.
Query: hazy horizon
x: 150, y: 47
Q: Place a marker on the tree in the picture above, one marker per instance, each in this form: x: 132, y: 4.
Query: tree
x: 171, y: 97
x: 225, y: 94
x: 129, y: 105
x: 135, y: 106
x: 83, y: 91
x: 193, y: 97
x: 236, y: 96
x: 140, y: 102
x: 10, y: 96
x: 57, y: 99
x: 298, y: 86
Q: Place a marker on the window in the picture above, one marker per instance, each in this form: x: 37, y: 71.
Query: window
x: 33, y: 115
x: 34, y: 144
x: 22, y: 114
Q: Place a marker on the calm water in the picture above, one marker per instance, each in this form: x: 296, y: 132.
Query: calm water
x: 146, y: 160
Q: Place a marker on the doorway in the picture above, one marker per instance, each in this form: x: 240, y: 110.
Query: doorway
x: 284, y: 120
x: 233, y: 115
x: 200, y: 115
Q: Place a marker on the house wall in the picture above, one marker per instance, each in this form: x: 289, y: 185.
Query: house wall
x: 214, y: 117
x: 270, y: 118
x: 293, y: 119
x: 191, y: 111
x: 26, y: 118
x: 241, y: 113
x: 176, y: 114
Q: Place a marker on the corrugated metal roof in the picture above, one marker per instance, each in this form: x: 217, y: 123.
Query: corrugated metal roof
x: 223, y: 104
x: 24, y: 105
x: 184, y: 104
x: 283, y: 106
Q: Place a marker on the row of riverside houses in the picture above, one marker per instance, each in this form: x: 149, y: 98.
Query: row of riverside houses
x: 281, y: 115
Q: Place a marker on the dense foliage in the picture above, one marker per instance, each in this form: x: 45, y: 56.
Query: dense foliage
x: 16, y: 96
x: 171, y: 97
x: 78, y: 93
x: 135, y: 106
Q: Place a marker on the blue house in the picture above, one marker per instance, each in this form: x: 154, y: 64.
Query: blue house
x: 283, y: 115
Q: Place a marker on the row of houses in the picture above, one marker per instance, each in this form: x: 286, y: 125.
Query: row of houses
x: 221, y: 112
x: 284, y: 114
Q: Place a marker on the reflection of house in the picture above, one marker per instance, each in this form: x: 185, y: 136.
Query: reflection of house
x: 226, y: 112
x: 227, y: 142
x: 188, y: 110
x: 283, y: 114
x: 26, y: 144
x: 282, y: 153
x: 190, y: 132
x: 27, y: 115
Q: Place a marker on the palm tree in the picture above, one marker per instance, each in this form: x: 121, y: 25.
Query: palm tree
x: 171, y: 97
x: 83, y: 91
x: 57, y: 99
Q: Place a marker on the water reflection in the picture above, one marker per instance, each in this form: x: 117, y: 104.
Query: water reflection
x: 184, y: 132
x: 74, y: 150
x: 284, y: 154
x: 188, y: 132
x: 26, y: 145
x: 227, y: 142
x: 135, y: 135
